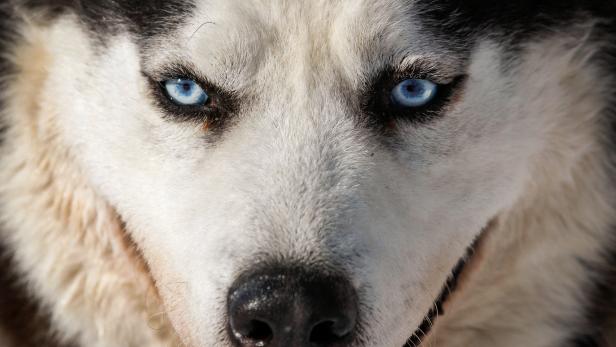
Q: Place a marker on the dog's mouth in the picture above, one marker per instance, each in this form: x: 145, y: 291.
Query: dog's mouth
x: 449, y: 287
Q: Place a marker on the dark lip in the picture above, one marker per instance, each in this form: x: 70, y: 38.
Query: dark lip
x: 437, y: 309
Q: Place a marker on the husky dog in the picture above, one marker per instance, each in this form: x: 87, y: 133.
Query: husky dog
x: 318, y: 173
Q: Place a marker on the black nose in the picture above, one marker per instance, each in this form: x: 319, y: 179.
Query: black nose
x: 292, y: 308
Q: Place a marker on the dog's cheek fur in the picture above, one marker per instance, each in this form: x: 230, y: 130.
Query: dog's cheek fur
x: 558, y: 234
x: 68, y: 244
x: 24, y: 319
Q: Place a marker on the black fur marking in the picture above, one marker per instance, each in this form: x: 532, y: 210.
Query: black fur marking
x: 585, y: 341
x: 144, y: 18
x: 465, y: 20
x: 22, y: 317
x: 601, y: 302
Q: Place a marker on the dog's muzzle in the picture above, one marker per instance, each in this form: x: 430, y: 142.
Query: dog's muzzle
x: 292, y: 307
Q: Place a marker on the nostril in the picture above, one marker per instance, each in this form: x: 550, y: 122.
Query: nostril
x: 329, y: 332
x: 253, y: 332
x: 260, y: 332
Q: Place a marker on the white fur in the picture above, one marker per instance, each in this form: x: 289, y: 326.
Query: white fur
x: 296, y: 177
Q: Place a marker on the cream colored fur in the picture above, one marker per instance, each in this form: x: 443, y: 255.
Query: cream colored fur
x: 532, y: 266
x: 73, y: 249
x: 69, y: 244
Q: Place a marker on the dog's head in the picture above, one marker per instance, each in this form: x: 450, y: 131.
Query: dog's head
x: 308, y: 173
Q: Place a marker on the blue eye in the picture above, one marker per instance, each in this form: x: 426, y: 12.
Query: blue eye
x: 413, y: 93
x: 185, y: 92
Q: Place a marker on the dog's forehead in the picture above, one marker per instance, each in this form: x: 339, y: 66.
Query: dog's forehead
x: 231, y: 41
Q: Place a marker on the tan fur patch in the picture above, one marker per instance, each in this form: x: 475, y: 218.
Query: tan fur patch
x: 70, y: 243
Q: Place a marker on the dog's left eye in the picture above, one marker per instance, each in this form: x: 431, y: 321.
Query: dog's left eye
x: 413, y: 93
x: 185, y: 92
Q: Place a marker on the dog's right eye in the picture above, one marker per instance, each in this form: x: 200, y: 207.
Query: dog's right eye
x: 413, y: 93
x: 185, y: 92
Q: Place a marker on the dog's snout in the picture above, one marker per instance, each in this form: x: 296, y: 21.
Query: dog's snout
x: 292, y: 307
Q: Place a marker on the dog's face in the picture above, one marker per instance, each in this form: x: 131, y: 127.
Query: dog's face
x: 310, y: 143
